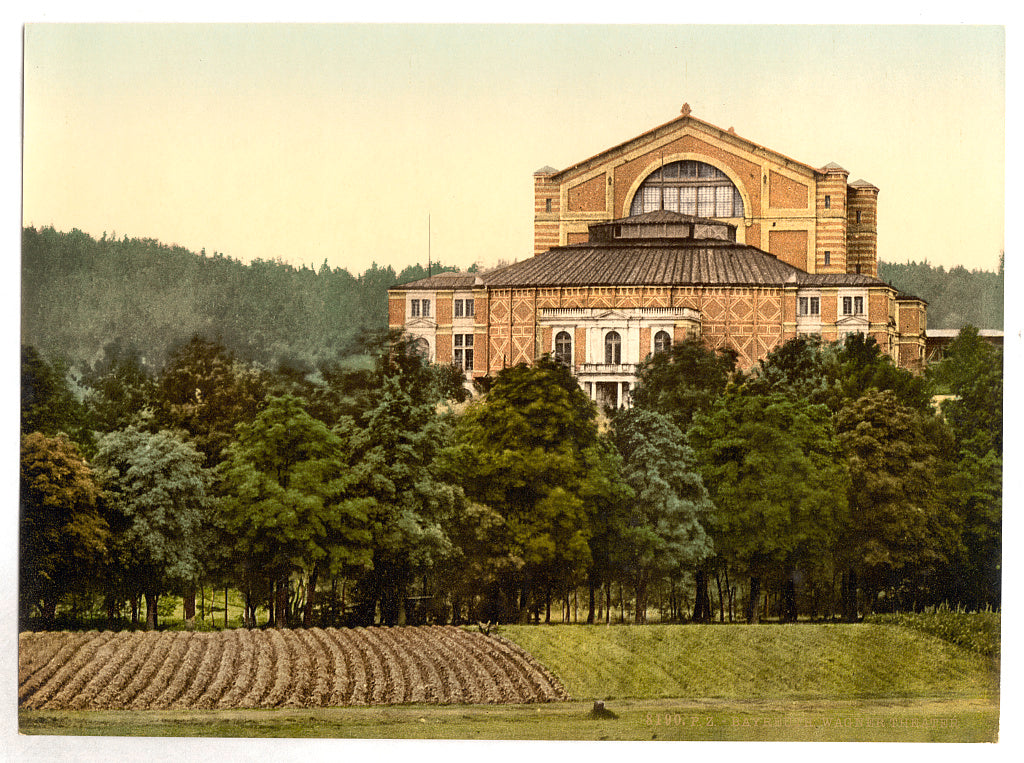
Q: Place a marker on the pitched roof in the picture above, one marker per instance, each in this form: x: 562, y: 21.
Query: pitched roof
x: 661, y: 262
x: 671, y: 126
x: 443, y: 282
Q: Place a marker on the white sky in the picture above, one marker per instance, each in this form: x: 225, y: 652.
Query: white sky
x: 336, y: 142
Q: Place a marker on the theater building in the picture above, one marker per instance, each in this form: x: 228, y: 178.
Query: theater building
x: 686, y: 230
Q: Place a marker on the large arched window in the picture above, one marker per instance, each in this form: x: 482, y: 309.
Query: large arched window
x: 662, y: 341
x: 690, y: 187
x: 563, y: 348
x: 612, y: 347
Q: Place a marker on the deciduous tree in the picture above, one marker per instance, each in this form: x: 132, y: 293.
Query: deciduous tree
x: 64, y: 535
x: 158, y: 490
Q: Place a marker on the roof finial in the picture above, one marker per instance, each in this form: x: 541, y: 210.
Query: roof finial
x: 685, y: 111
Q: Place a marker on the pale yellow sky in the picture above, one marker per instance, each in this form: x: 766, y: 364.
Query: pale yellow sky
x: 314, y: 143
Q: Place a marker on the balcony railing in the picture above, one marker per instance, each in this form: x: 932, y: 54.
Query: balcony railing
x: 637, y: 312
x: 606, y: 369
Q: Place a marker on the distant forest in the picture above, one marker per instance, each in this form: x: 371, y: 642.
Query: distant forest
x: 956, y: 298
x: 81, y: 295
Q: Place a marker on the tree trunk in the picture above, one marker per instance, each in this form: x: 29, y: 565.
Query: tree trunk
x: 702, y: 599
x: 281, y: 605
x: 729, y: 591
x: 151, y: 622
x: 307, y: 616
x: 789, y: 600
x: 640, y: 614
x: 135, y: 609
x: 721, y: 601
x: 189, y: 604
x: 849, y: 595
x: 753, y: 608
x: 592, y: 586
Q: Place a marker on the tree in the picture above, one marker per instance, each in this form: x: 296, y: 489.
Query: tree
x: 287, y: 505
x: 530, y: 450
x: 971, y: 371
x: 48, y: 404
x: 862, y: 366
x: 774, y: 474
x: 206, y: 392
x: 120, y: 391
x: 159, y: 492
x: 901, y: 527
x: 395, y: 450
x: 664, y: 533
x: 683, y: 381
x: 64, y: 535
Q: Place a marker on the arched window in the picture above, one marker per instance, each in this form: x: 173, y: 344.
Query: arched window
x: 662, y: 341
x: 421, y: 346
x: 690, y: 187
x: 612, y: 347
x: 563, y: 348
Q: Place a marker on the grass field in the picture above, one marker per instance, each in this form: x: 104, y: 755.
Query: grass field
x: 770, y: 682
x: 756, y: 662
x: 948, y: 720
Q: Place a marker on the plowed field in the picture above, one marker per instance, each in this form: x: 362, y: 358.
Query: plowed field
x: 318, y: 667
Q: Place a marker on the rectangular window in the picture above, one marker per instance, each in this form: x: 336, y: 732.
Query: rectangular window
x: 426, y: 307
x: 847, y: 305
x: 688, y: 201
x: 858, y: 216
x: 828, y: 258
x: 858, y: 305
x: 547, y: 205
x: 672, y: 199
x: 415, y: 308
x: 469, y: 308
x: 463, y: 352
x: 810, y: 306
x: 458, y: 308
x: 723, y: 201
x: 652, y: 199
x: 706, y: 201
x: 828, y: 202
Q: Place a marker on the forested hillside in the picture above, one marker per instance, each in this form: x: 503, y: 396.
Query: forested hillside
x: 956, y: 297
x: 80, y: 295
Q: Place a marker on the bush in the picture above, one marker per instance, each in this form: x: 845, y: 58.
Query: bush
x: 975, y: 631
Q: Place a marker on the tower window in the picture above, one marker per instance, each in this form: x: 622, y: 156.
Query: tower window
x: 612, y: 348
x: 858, y: 216
x: 563, y: 348
x: 828, y: 201
x: 547, y: 205
x: 828, y: 258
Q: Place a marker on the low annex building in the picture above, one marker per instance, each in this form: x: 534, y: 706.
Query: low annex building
x: 687, y: 230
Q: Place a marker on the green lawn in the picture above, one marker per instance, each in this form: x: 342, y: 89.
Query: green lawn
x: 756, y: 662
